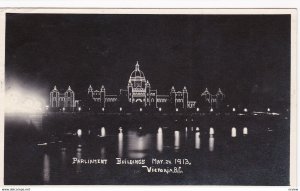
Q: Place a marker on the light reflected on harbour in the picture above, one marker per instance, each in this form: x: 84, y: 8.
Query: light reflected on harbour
x: 79, y: 133
x: 197, y: 140
x: 159, y: 139
x: 233, y: 132
x: 177, y: 139
x: 103, y: 132
x: 138, y: 143
x: 78, y: 156
x: 63, y: 157
x: 211, y: 131
x: 103, y: 152
x: 46, y: 169
x: 120, y: 143
x: 211, y: 143
x: 245, y: 131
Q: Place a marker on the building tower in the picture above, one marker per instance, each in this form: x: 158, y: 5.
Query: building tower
x: 219, y: 97
x: 129, y: 87
x: 54, y: 94
x: 185, y: 97
x: 69, y: 98
x: 173, y: 97
x: 90, y: 91
x: 206, y: 95
x: 148, y: 87
x: 102, y: 96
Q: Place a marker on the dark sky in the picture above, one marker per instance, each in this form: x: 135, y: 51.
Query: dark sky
x: 247, y: 56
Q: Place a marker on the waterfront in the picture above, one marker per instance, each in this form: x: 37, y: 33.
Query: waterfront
x: 222, y: 151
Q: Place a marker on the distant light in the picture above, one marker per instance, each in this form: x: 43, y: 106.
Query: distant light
x: 176, y: 109
x: 233, y: 109
x: 245, y: 110
x: 141, y: 109
x: 121, y: 109
x: 64, y: 109
x: 211, y: 109
x: 197, y: 108
x: 275, y: 113
x: 79, y: 108
x: 159, y: 109
x: 102, y: 108
x: 268, y: 109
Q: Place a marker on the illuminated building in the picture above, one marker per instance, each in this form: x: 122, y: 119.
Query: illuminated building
x: 137, y: 94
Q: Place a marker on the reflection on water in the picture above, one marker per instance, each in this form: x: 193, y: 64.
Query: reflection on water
x: 233, y: 132
x: 177, y: 139
x: 78, y: 156
x: 159, y: 140
x: 149, y: 141
x: 63, y: 157
x: 46, y: 169
x: 120, y: 143
x: 245, y: 131
x: 211, y: 131
x: 197, y: 140
x: 211, y: 143
x: 186, y: 134
x: 79, y: 132
x: 103, y: 132
x: 138, y: 143
x: 103, y: 152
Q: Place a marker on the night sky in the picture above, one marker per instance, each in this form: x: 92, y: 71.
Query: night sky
x: 247, y: 56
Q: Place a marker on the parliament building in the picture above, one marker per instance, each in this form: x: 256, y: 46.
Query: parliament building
x: 137, y: 95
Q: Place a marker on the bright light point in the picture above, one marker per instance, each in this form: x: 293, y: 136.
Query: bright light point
x: 233, y: 109
x: 64, y: 109
x: 176, y: 109
x: 159, y: 109
x: 79, y: 132
x: 16, y: 102
x: 79, y: 108
x: 102, y: 108
x: 197, y: 109
x: 245, y: 110
x: 268, y: 109
x: 141, y: 109
x: 211, y: 110
x: 121, y: 109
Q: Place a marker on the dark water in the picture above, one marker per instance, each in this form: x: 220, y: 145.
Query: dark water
x: 257, y: 154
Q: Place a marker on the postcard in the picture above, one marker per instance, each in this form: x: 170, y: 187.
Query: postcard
x: 148, y: 97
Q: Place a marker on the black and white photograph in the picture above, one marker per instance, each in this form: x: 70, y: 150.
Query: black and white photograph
x: 154, y: 98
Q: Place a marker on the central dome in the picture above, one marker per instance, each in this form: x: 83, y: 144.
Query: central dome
x: 137, y: 77
x: 137, y: 74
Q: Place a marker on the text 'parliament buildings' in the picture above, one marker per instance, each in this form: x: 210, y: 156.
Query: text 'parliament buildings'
x: 138, y: 95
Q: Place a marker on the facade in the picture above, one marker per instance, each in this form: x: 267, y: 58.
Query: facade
x: 137, y: 94
x: 63, y: 100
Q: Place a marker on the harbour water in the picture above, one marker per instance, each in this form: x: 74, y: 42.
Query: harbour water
x: 236, y: 152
